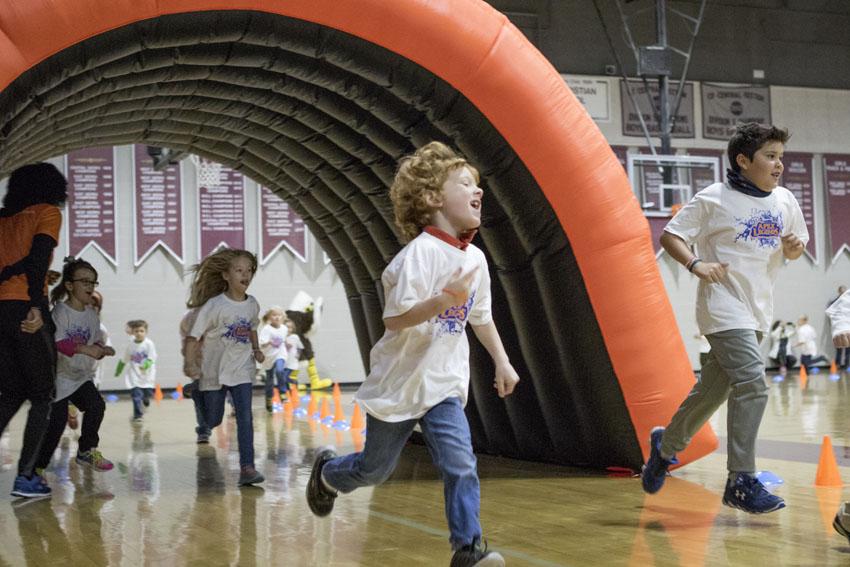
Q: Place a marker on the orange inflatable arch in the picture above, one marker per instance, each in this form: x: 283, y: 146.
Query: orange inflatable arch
x: 324, y: 96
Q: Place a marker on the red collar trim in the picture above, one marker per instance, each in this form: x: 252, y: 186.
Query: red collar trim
x: 460, y: 243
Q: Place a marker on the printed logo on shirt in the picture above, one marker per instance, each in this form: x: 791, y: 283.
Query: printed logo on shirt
x: 239, y: 331
x: 452, y: 320
x: 276, y: 341
x: 139, y: 357
x: 80, y: 335
x: 762, y: 227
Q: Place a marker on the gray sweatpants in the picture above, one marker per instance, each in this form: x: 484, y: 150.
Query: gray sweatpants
x: 734, y: 372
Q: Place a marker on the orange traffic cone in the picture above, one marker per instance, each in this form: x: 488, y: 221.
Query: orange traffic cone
x: 339, y: 415
x: 287, y: 415
x: 293, y: 395
x: 336, y: 392
x: 357, y: 419
x: 357, y: 439
x: 179, y: 391
x: 827, y: 474
x: 311, y: 407
x: 326, y: 409
x: 276, y: 397
x: 833, y: 368
x: 804, y: 377
x: 157, y: 393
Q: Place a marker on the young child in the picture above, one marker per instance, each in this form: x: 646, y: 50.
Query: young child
x: 193, y: 390
x: 294, y: 346
x: 227, y: 322
x: 806, y: 344
x: 97, y: 304
x: 743, y: 229
x: 139, y: 366
x: 80, y: 345
x: 273, y: 344
x: 839, y: 315
x: 420, y: 367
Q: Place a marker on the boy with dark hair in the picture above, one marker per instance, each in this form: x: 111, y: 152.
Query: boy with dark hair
x: 743, y: 230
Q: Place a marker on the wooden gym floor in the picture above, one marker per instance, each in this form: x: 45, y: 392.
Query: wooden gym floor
x: 170, y: 502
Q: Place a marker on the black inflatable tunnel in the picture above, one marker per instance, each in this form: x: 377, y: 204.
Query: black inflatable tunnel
x: 317, y: 100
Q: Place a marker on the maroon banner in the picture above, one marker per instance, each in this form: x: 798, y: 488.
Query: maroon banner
x: 91, y: 201
x: 836, y: 173
x: 279, y: 226
x: 798, y: 178
x: 157, y: 207
x: 221, y: 207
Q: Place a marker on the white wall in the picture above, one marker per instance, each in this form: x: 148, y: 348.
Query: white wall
x: 819, y: 122
x: 157, y: 290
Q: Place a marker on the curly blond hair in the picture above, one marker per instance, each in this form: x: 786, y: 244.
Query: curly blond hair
x: 208, y: 281
x: 419, y: 175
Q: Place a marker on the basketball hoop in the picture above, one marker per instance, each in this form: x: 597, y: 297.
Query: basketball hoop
x: 209, y: 172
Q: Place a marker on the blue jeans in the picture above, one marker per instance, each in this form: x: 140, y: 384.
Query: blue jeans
x: 446, y: 433
x: 139, y: 395
x: 214, y: 413
x: 279, y: 374
x: 199, y: 400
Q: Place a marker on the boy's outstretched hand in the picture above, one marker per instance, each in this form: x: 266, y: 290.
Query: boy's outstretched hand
x: 506, y: 379
x: 792, y: 246
x: 711, y: 272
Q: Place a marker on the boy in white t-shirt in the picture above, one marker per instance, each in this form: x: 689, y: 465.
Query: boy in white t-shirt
x: 294, y: 346
x: 420, y: 367
x: 743, y: 230
x: 139, y: 367
x: 806, y: 344
x: 839, y: 315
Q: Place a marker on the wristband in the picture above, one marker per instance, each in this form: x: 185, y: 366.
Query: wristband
x: 693, y: 262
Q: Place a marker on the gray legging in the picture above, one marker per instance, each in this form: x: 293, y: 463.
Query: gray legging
x: 734, y: 372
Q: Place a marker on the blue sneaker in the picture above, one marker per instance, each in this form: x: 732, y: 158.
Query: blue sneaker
x: 747, y: 493
x: 654, y: 472
x: 35, y: 487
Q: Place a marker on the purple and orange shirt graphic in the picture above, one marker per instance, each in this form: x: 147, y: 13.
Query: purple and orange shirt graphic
x: 80, y: 335
x: 239, y: 331
x: 452, y: 320
x: 761, y: 226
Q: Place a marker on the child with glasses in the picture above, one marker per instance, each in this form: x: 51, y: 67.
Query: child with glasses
x: 80, y: 345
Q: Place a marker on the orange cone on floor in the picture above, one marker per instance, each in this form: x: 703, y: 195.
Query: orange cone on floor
x: 179, y: 390
x: 276, y: 397
x: 339, y: 415
x: 357, y: 439
x: 157, y: 393
x: 311, y: 408
x: 326, y: 409
x: 833, y: 368
x: 357, y: 419
x: 804, y: 377
x: 337, y: 393
x: 293, y: 395
x: 287, y: 415
x: 827, y: 474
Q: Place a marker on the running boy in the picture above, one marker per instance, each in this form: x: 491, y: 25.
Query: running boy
x: 420, y: 367
x: 140, y: 369
x: 743, y: 230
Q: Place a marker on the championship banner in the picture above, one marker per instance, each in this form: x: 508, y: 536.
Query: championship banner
x: 91, y: 201
x: 724, y: 108
x: 798, y: 178
x: 221, y: 207
x: 279, y: 226
x: 836, y: 173
x: 157, y: 208
x: 683, y: 121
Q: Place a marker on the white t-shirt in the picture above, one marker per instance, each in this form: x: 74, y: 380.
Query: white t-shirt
x: 274, y: 339
x: 226, y: 326
x: 839, y: 314
x: 98, y: 369
x: 416, y: 368
x: 731, y: 227
x: 139, y: 372
x: 294, y: 346
x: 806, y: 342
x: 82, y: 327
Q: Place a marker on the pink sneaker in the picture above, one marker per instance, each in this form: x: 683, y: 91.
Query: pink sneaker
x: 95, y: 460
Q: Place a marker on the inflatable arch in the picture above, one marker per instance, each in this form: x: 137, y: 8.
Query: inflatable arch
x: 317, y: 99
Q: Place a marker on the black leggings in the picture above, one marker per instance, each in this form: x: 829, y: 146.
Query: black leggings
x: 27, y: 371
x: 89, y: 401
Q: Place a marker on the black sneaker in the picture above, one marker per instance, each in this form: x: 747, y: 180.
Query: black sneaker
x: 320, y: 499
x: 654, y: 472
x: 475, y: 555
x: 747, y: 493
x: 840, y: 523
x: 269, y: 405
x: 248, y: 476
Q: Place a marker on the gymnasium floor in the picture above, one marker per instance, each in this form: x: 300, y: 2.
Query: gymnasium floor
x: 170, y: 502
